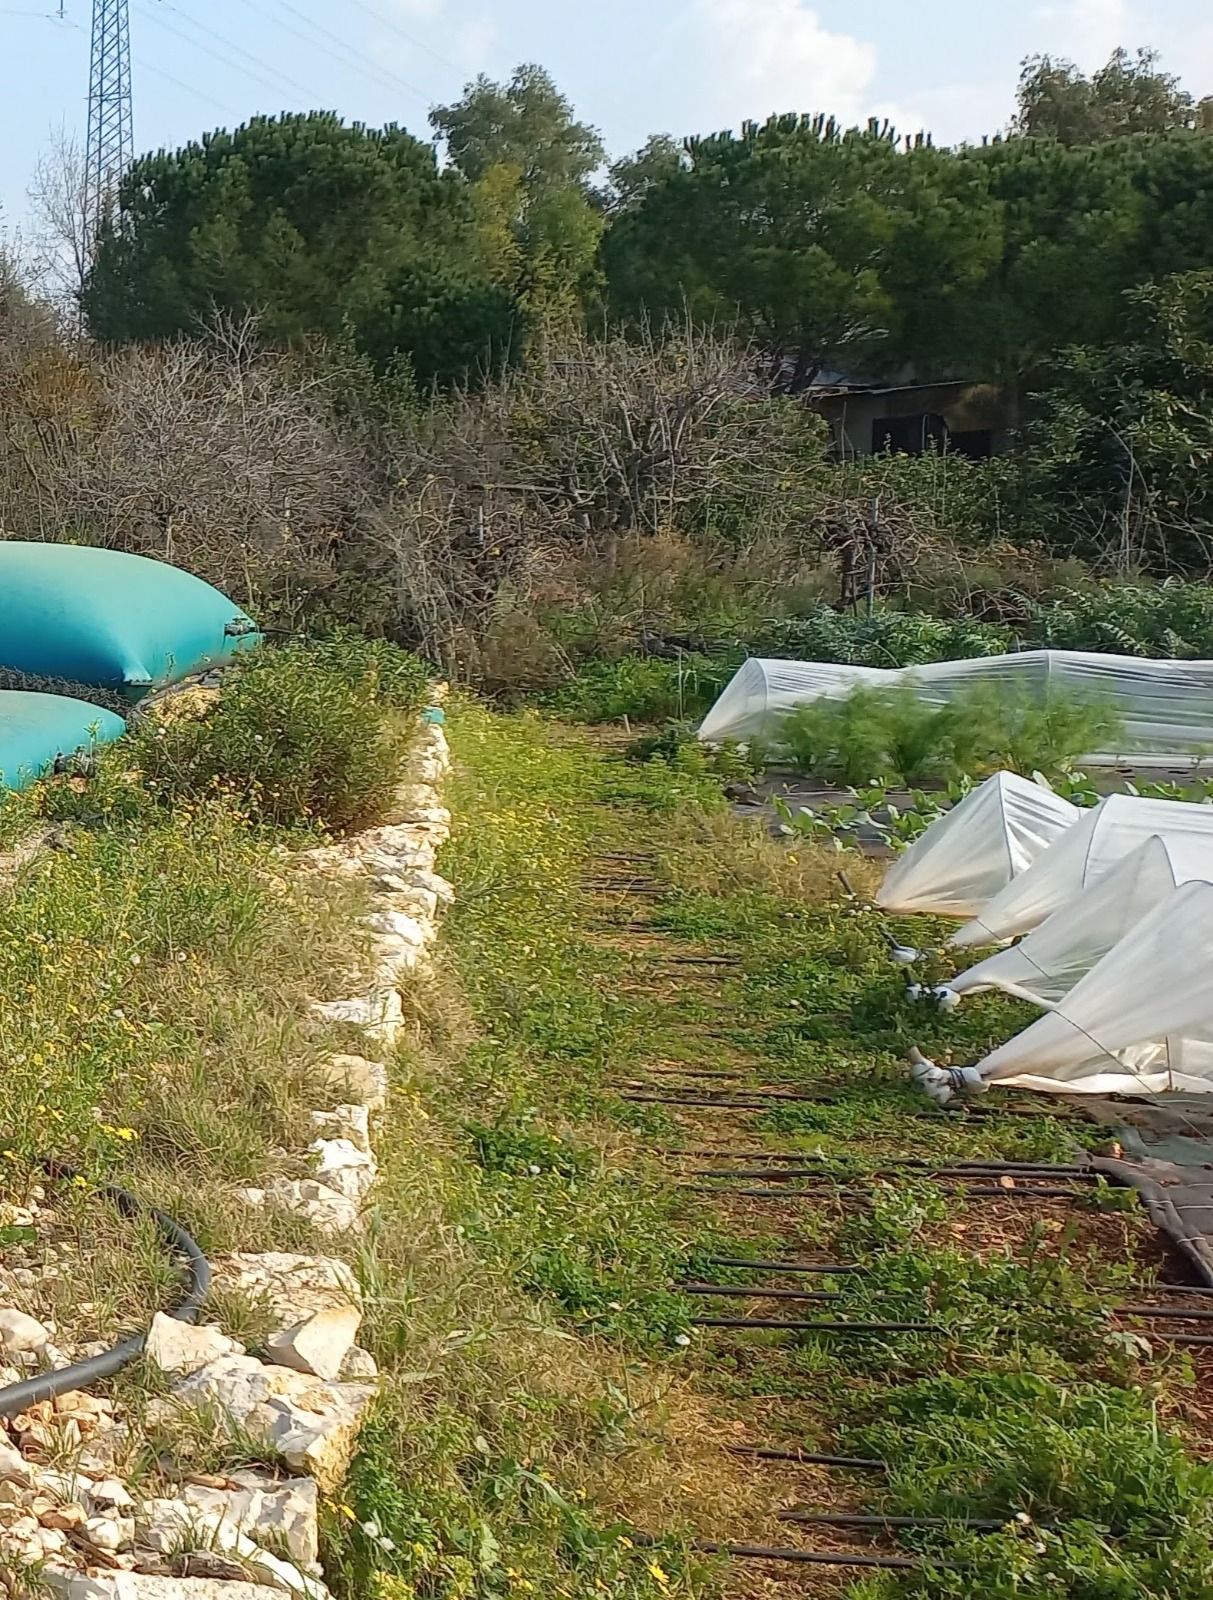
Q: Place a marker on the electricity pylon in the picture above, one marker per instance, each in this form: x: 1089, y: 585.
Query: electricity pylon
x: 111, y: 136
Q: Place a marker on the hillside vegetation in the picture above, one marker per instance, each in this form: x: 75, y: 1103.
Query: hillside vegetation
x: 546, y: 422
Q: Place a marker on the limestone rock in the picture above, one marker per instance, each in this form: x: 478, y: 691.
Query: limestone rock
x: 140, y: 1586
x: 220, y: 1524
x: 318, y: 1345
x: 350, y: 1122
x: 293, y: 1286
x: 323, y: 1443
x: 437, y: 885
x: 20, y: 1333
x: 397, y: 925
x: 342, y: 1166
x: 109, y: 1494
x: 394, y: 960
x: 363, y: 1080
x: 410, y: 898
x: 380, y: 1014
x: 358, y: 1364
x: 106, y: 1533
x: 313, y: 1424
x: 278, y: 1512
x: 14, y: 1468
x: 179, y: 1347
x: 328, y: 1210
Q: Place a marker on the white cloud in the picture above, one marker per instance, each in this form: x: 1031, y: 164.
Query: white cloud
x: 774, y: 55
x: 1087, y: 31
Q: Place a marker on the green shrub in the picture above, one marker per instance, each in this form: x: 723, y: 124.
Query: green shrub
x: 1173, y: 620
x: 885, y: 639
x: 643, y: 688
x: 300, y: 735
x: 893, y: 735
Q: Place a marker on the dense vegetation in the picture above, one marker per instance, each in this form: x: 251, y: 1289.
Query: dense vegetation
x: 456, y: 394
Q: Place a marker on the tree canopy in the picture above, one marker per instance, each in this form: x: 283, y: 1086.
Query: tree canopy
x: 528, y: 162
x: 525, y: 123
x: 316, y: 226
x: 848, y: 249
x: 1129, y: 94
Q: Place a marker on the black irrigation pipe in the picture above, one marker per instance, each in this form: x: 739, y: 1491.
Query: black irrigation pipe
x: 827, y: 1519
x: 822, y: 1558
x: 773, y: 1097
x: 821, y: 1193
x: 639, y: 1086
x: 693, y: 1072
x: 747, y: 1291
x: 1162, y: 1288
x: 806, y: 1458
x: 976, y: 1165
x: 704, y: 1104
x: 701, y: 961
x: 820, y: 1327
x: 950, y: 1174
x: 1182, y: 1313
x: 829, y: 1267
x: 16, y: 1397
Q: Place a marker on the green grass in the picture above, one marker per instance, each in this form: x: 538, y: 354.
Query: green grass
x: 556, y: 1205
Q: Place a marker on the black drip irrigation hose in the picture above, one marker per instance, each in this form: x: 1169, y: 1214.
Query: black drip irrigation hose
x: 783, y: 1326
x: 828, y: 1519
x: 821, y: 1558
x: 828, y: 1267
x: 747, y: 1291
x: 951, y: 1175
x: 793, y: 1157
x: 16, y: 1397
x: 806, y: 1458
x: 968, y: 1192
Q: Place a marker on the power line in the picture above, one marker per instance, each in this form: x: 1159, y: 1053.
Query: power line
x: 178, y: 83
x: 225, y: 54
x: 148, y: 66
x: 387, y: 78
x: 389, y: 22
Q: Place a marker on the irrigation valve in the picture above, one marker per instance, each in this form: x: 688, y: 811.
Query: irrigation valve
x: 942, y: 1084
x: 903, y: 954
x: 940, y: 995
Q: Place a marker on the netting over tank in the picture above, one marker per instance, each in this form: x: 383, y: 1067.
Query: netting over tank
x: 1046, y: 965
x: 1140, y: 1021
x: 972, y: 851
x: 1081, y: 856
x: 1166, y: 706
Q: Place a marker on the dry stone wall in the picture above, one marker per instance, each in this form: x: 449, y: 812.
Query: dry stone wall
x: 247, y: 1534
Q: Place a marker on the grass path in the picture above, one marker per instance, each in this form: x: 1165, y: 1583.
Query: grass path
x: 650, y: 993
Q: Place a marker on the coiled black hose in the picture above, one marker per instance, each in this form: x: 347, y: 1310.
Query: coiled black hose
x: 197, y: 1279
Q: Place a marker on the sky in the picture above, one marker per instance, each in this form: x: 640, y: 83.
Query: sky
x: 631, y: 67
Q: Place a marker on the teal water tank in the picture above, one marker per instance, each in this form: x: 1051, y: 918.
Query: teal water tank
x: 112, y: 620
x: 35, y: 729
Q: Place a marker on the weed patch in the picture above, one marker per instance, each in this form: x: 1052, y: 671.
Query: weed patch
x: 300, y: 736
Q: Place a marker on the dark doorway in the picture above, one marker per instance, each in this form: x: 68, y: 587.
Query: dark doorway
x: 909, y: 436
x: 976, y: 443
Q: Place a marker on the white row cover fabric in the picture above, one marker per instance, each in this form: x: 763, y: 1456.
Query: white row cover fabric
x: 972, y: 851
x: 1140, y: 1022
x: 1167, y: 706
x: 1046, y: 965
x: 1081, y: 855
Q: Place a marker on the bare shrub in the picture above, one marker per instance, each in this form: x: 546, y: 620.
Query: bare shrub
x: 212, y: 453
x: 593, y: 444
